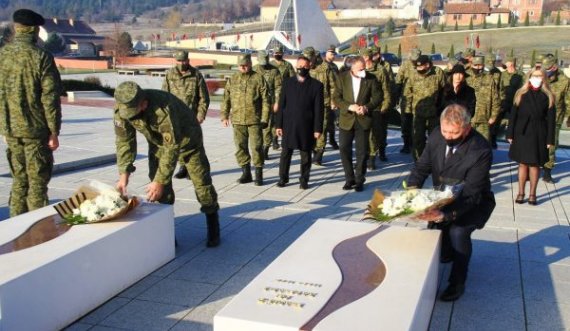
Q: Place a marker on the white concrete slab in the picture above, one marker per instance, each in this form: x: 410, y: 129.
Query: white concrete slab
x: 48, y: 286
x: 307, y: 278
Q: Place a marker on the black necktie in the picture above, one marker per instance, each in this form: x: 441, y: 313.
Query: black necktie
x: 448, y: 153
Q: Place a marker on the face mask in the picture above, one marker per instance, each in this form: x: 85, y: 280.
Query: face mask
x: 453, y: 142
x: 550, y: 73
x: 361, y: 74
x: 183, y: 67
x: 422, y: 71
x: 303, y: 72
x: 278, y: 57
x: 477, y: 71
x: 535, y: 82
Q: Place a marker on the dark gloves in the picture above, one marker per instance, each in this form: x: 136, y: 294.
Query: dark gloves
x: 264, y: 125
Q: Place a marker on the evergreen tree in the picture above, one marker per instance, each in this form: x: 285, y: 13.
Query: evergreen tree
x: 513, y: 21
x: 456, y: 28
x: 533, y: 57
x: 385, y: 48
x: 389, y: 28
x: 541, y: 19
x: 471, y: 23
x: 429, y: 28
x: 451, y: 52
x: 485, y: 23
x: 526, y: 20
x: 432, y: 48
x: 441, y: 27
x: 490, y: 50
x: 556, y: 54
x: 499, y: 23
x: 54, y: 43
x: 512, y: 53
x: 558, y: 18
x: 399, y: 51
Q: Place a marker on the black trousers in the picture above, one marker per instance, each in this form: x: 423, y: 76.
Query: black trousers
x: 456, y: 243
x: 285, y: 164
x: 354, y: 174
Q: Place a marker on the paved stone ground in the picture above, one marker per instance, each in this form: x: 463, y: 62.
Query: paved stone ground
x: 520, y: 271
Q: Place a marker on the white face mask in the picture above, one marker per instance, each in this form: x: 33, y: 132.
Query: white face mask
x: 361, y: 74
x: 535, y: 81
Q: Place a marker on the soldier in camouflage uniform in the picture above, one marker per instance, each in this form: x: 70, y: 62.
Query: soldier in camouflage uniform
x: 467, y: 59
x: 273, y: 78
x: 323, y: 74
x: 379, y: 128
x: 424, y: 96
x: 188, y: 84
x: 30, y: 109
x: 406, y: 70
x: 510, y: 81
x: 332, y: 114
x: 246, y: 96
x: 487, y: 106
x: 286, y: 69
x: 173, y: 133
x: 560, y: 86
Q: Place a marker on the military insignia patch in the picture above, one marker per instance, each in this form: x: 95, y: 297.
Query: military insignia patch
x: 119, y: 124
x: 167, y: 137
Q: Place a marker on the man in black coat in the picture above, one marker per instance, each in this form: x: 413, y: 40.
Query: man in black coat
x: 299, y: 120
x: 356, y: 94
x: 457, y: 155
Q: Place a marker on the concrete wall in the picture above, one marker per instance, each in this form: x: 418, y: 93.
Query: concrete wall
x: 161, y: 61
x: 82, y: 64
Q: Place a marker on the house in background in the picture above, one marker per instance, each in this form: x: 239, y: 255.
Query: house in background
x: 464, y: 13
x: 80, y: 39
x: 519, y: 8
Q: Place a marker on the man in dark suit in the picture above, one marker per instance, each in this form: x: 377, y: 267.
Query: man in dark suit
x: 356, y: 94
x: 299, y: 120
x: 457, y: 155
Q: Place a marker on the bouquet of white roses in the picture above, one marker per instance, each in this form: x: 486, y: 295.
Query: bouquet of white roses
x: 95, y: 202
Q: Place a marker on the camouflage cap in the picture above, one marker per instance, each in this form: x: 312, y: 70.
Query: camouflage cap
x: 262, y: 58
x: 422, y: 59
x: 181, y: 55
x: 491, y: 61
x: 539, y: 58
x: 549, y: 62
x: 128, y: 96
x: 309, y: 52
x: 510, y: 59
x: 244, y: 59
x: 278, y: 49
x: 28, y: 17
x: 414, y: 54
x: 332, y: 49
x: 479, y: 59
x: 375, y: 49
x: 365, y: 52
x: 469, y: 52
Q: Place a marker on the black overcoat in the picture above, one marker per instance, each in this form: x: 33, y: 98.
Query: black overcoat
x: 469, y: 166
x: 531, y: 127
x: 465, y: 96
x: 300, y: 114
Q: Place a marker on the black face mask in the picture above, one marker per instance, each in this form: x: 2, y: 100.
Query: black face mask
x: 477, y: 71
x: 454, y: 142
x: 183, y: 67
x: 303, y: 72
x: 278, y: 57
x: 423, y: 71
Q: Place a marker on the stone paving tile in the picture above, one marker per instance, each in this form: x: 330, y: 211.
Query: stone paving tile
x: 206, y: 271
x: 478, y: 313
x: 78, y: 327
x: 178, y: 292
x: 202, y: 317
x: 546, y: 282
x: 104, y: 310
x: 138, y: 288
x: 145, y: 315
x: 547, y: 316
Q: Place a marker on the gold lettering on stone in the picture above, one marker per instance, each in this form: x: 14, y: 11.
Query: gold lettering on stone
x: 284, y: 296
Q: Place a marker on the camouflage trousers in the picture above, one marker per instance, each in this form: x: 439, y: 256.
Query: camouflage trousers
x: 198, y: 166
x: 31, y: 164
x: 269, y: 132
x: 322, y: 141
x: 378, y: 133
x: 484, y: 129
x: 422, y: 128
x: 252, y: 135
x: 552, y: 150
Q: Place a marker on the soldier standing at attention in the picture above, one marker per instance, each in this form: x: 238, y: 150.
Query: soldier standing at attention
x: 30, y: 109
x: 188, y: 84
x: 407, y: 118
x: 424, y: 97
x: 323, y: 74
x: 273, y: 78
x: 332, y: 114
x: 286, y: 69
x: 560, y: 86
x: 510, y: 81
x: 173, y: 133
x: 246, y: 104
x: 487, y: 106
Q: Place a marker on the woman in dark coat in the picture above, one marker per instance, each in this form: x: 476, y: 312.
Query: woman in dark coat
x: 299, y: 120
x: 531, y: 130
x: 457, y: 91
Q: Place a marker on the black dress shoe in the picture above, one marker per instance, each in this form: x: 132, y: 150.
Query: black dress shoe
x: 182, y: 173
x: 334, y: 145
x: 452, y: 292
x: 282, y: 183
x: 359, y: 187
x: 304, y: 185
x: 348, y: 186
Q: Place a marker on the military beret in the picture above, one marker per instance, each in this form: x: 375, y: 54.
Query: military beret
x: 244, y: 59
x: 128, y: 96
x: 28, y: 17
x: 365, y: 52
x: 479, y: 59
x: 422, y: 59
x: 309, y: 52
x: 278, y: 49
x: 548, y: 62
x: 262, y: 57
x: 469, y: 52
x: 332, y: 49
x: 181, y: 55
x: 414, y: 54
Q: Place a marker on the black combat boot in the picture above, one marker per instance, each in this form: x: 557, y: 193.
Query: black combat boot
x: 275, y: 143
x: 371, y: 164
x: 245, y: 175
x: 333, y: 143
x: 318, y: 157
x: 258, y: 176
x: 494, y: 141
x: 182, y: 173
x: 266, y: 152
x: 213, y: 229
x: 407, y: 149
x: 547, y: 176
x: 382, y: 156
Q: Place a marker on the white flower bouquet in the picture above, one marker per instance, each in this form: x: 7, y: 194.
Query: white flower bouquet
x: 408, y: 203
x: 96, y: 202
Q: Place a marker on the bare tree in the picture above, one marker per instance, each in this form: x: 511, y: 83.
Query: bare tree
x: 410, y: 38
x: 173, y: 20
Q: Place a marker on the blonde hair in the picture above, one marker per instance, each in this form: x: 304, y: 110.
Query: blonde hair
x: 545, y: 88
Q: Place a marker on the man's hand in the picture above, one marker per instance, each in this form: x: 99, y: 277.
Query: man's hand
x: 510, y: 141
x: 548, y: 146
x: 279, y: 132
x: 431, y: 215
x: 491, y: 121
x: 353, y: 108
x: 154, y: 191
x: 225, y: 123
x: 53, y: 142
x: 200, y: 119
x: 122, y: 184
x: 317, y: 135
x: 275, y: 107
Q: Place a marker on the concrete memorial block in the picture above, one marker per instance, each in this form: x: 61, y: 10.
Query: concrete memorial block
x: 342, y: 276
x: 50, y: 285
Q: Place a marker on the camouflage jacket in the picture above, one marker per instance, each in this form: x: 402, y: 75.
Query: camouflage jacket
x: 30, y: 90
x: 487, y: 95
x: 508, y: 86
x: 560, y: 86
x: 247, y: 96
x: 190, y: 87
x: 424, y: 93
x: 404, y: 73
x: 169, y: 126
x: 381, y: 75
x: 333, y: 67
x: 274, y: 80
x: 285, y: 68
x: 325, y: 75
